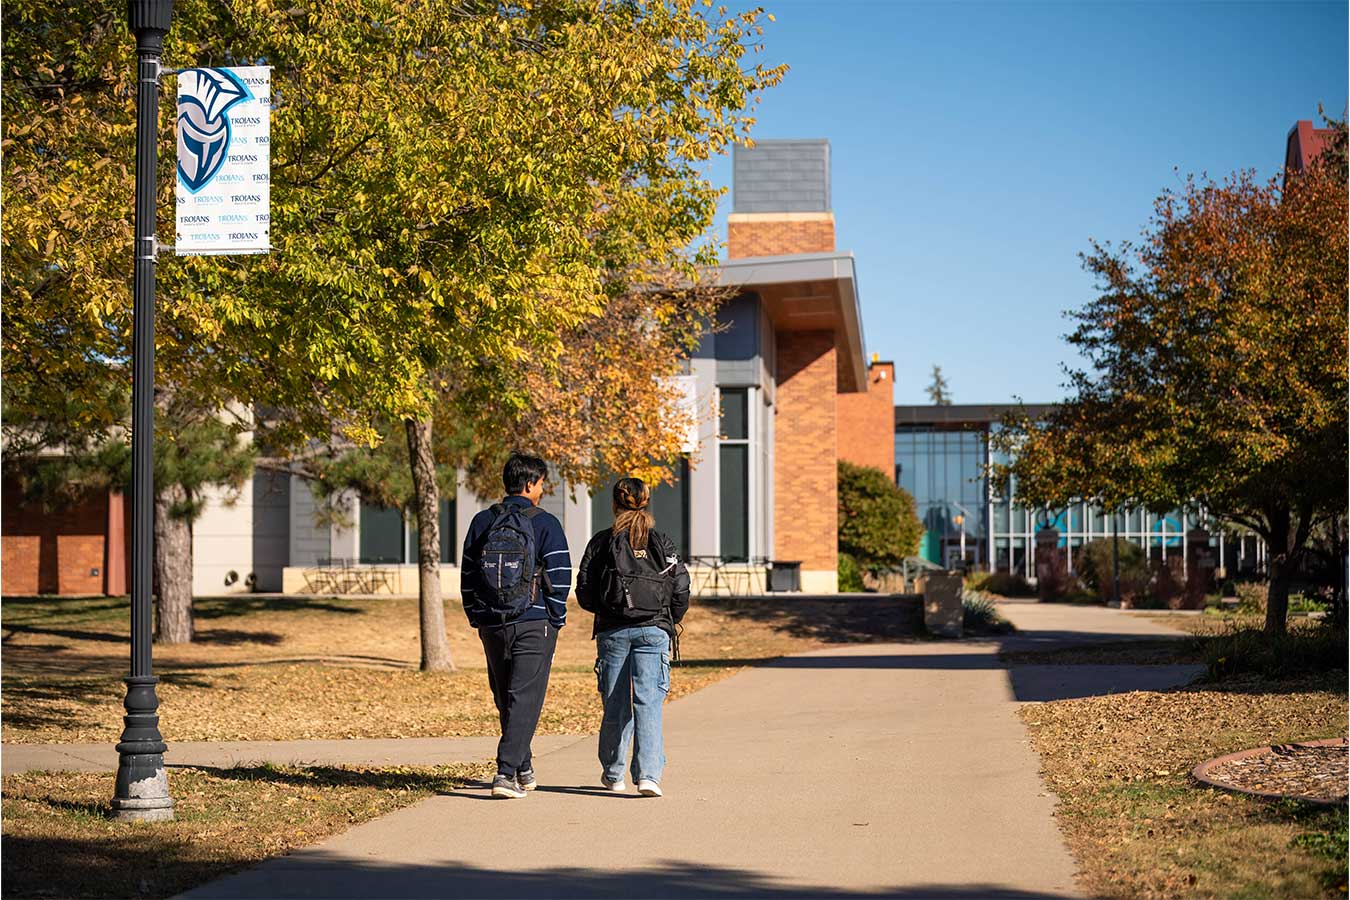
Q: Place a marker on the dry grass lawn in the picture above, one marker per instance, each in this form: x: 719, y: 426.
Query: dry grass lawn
x: 59, y: 843
x: 1137, y: 823
x: 1141, y: 828
x: 286, y: 668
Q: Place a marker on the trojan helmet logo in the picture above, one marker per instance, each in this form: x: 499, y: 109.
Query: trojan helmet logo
x: 204, y: 97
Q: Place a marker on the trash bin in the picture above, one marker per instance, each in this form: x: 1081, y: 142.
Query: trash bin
x: 785, y: 575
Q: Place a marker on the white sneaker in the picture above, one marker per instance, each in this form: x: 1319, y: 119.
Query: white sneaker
x: 617, y: 787
x: 649, y: 788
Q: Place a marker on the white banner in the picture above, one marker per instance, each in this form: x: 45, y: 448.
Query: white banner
x: 686, y: 409
x: 224, y: 161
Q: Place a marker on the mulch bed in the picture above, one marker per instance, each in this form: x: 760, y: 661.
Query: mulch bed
x: 1316, y: 771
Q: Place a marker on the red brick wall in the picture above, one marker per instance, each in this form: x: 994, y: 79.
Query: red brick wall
x: 867, y: 421
x: 60, y: 551
x: 805, y: 468
x: 778, y: 234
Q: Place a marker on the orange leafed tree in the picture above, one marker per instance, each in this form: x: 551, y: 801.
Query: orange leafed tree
x: 1217, y: 367
x: 606, y: 405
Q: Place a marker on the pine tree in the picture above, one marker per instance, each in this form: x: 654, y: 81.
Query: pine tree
x: 937, y: 391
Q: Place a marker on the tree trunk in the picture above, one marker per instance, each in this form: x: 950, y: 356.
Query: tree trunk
x: 173, y: 568
x: 1277, y: 595
x: 435, y: 647
x: 1287, y: 540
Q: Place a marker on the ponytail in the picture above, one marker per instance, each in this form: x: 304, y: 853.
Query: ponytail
x: 631, y: 496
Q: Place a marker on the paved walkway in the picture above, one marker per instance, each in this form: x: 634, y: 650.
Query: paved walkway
x: 884, y: 769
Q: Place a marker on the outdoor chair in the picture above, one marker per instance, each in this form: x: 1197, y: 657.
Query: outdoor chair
x: 318, y: 581
x: 379, y: 579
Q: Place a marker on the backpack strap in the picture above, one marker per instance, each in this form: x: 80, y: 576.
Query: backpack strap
x: 532, y: 511
x: 665, y: 546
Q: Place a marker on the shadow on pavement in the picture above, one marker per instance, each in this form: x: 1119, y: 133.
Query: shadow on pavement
x: 1028, y: 657
x: 1029, y: 682
x: 314, y: 875
x: 386, y: 779
x: 949, y: 661
x: 1038, y: 640
x: 1054, y: 682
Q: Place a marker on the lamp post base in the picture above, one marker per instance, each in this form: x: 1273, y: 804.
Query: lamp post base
x: 142, y: 790
x: 153, y: 805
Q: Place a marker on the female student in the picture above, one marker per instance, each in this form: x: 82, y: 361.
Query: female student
x: 632, y: 579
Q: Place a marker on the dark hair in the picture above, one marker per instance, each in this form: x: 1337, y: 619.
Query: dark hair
x: 631, y: 496
x: 522, y: 469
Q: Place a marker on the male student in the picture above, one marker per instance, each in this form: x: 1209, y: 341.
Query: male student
x: 515, y: 577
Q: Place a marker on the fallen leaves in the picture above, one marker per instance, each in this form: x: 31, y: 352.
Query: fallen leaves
x: 1138, y: 824
x: 58, y: 841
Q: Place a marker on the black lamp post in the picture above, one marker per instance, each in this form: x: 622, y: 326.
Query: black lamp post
x: 142, y: 792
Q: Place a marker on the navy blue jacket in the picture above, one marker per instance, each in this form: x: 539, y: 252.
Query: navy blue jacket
x: 554, y: 560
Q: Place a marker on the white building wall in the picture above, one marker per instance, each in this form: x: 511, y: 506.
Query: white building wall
x: 576, y: 519
x: 467, y: 505
x: 704, y: 504
x: 345, y: 540
x: 222, y: 542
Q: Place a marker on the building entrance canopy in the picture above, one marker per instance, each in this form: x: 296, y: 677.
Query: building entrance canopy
x: 809, y: 292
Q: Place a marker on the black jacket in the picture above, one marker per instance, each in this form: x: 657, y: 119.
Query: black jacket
x: 591, y: 582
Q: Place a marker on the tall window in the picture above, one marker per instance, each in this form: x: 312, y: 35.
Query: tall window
x: 733, y: 458
x: 387, y: 538
x: 942, y: 469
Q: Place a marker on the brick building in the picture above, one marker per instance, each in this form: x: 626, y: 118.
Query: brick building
x: 78, y: 547
x: 1303, y: 145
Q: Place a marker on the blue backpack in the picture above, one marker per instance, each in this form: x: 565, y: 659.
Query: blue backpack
x: 511, y: 574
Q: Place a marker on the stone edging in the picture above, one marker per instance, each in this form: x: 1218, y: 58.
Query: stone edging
x: 1200, y: 772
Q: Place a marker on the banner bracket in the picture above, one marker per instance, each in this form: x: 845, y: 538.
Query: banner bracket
x: 152, y: 62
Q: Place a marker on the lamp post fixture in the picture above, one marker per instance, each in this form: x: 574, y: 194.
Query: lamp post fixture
x: 142, y: 791
x: 960, y: 521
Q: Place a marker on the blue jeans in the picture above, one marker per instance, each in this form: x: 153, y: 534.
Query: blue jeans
x: 632, y: 668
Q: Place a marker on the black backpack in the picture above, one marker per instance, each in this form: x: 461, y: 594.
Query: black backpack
x: 511, y: 574
x: 639, y: 584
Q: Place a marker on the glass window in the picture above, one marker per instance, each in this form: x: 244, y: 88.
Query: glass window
x: 670, y: 507
x: 735, y: 500
x: 734, y: 421
x: 381, y: 534
x: 447, y: 529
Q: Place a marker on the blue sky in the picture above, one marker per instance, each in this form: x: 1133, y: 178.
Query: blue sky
x: 977, y: 148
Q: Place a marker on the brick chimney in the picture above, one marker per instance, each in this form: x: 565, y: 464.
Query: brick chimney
x: 867, y: 420
x: 780, y: 199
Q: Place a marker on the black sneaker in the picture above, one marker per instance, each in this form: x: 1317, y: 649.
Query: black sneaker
x: 525, y: 778
x: 506, y: 788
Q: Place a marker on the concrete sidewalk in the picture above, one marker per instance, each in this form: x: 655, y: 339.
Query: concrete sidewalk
x: 882, y: 769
